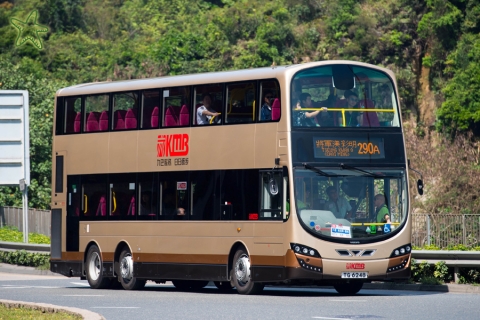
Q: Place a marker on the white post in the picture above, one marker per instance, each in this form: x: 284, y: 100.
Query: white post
x: 24, y: 189
x: 428, y: 229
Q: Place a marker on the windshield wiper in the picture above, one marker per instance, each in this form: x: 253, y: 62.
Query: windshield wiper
x: 318, y: 171
x: 347, y: 167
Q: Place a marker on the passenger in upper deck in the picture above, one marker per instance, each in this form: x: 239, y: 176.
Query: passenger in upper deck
x: 268, y: 98
x: 306, y: 118
x: 205, y: 112
x: 325, y: 119
x: 352, y: 119
x: 386, y: 97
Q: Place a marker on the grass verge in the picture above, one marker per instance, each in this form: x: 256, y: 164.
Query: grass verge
x: 24, y: 312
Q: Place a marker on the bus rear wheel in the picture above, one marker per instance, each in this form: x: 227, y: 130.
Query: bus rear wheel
x: 94, y: 267
x: 240, y: 274
x: 348, y: 289
x: 126, y: 277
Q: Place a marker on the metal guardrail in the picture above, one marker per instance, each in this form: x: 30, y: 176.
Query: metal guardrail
x: 29, y: 247
x: 451, y: 258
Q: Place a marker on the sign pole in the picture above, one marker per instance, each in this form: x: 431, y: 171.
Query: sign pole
x: 24, y: 189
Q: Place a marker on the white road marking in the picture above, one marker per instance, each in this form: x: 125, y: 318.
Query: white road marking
x: 9, y: 286
x: 115, y: 307
x: 83, y: 295
x: 81, y: 284
x: 330, y: 318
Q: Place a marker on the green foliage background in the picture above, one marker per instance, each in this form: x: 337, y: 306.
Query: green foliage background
x: 93, y: 40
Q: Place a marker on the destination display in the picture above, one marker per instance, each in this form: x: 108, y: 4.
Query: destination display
x: 351, y: 148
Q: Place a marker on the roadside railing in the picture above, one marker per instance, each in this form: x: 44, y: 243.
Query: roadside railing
x: 446, y: 230
x: 38, y: 220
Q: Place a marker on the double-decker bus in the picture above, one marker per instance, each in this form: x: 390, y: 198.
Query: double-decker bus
x: 296, y: 175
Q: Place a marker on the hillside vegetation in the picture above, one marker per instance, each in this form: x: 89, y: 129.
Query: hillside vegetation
x: 433, y: 46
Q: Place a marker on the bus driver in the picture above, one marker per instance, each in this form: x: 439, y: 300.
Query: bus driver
x: 339, y: 206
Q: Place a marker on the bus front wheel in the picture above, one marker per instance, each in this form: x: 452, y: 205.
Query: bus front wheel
x: 348, y: 289
x: 94, y: 267
x: 240, y: 274
x: 126, y: 277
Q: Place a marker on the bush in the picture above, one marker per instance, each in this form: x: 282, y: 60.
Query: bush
x: 24, y: 258
x: 430, y: 274
x: 11, y: 234
x: 469, y: 275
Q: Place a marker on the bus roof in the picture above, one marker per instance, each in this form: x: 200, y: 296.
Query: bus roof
x: 195, y: 79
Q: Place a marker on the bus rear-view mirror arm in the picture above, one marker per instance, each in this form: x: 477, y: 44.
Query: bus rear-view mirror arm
x: 419, y: 181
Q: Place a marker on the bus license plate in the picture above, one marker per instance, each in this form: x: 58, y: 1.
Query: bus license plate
x: 354, y: 275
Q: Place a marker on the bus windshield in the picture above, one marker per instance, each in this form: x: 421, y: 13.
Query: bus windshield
x: 343, y: 96
x: 350, y: 202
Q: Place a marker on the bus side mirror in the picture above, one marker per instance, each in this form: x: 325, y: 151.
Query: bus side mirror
x: 420, y: 186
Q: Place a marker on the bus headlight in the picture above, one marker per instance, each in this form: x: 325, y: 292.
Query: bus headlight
x: 400, y: 251
x: 301, y: 249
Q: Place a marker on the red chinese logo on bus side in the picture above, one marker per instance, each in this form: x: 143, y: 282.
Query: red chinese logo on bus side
x: 356, y: 266
x: 172, y: 145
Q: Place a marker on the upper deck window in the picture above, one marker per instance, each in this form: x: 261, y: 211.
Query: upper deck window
x: 269, y: 109
x: 125, y: 110
x: 96, y: 113
x: 343, y: 96
x: 150, y: 109
x: 240, y: 107
x: 176, y: 107
x: 72, y: 114
x: 208, y: 104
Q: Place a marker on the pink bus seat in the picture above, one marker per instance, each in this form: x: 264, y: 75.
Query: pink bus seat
x: 171, y: 116
x: 184, y: 116
x: 77, y: 122
x: 131, y: 119
x: 103, y: 121
x: 119, y: 119
x: 276, y: 111
x: 131, y: 208
x: 92, y: 122
x: 154, y: 118
x: 102, y: 207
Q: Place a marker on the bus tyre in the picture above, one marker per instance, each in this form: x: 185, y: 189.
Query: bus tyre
x: 240, y: 274
x: 94, y: 269
x: 223, y: 286
x: 348, y: 289
x: 128, y: 281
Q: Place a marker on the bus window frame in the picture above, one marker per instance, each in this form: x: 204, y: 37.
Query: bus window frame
x: 260, y: 99
x: 159, y: 106
x: 112, y: 111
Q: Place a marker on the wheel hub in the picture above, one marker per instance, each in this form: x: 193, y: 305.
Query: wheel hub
x: 94, y: 268
x: 126, y: 267
x: 242, y: 269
